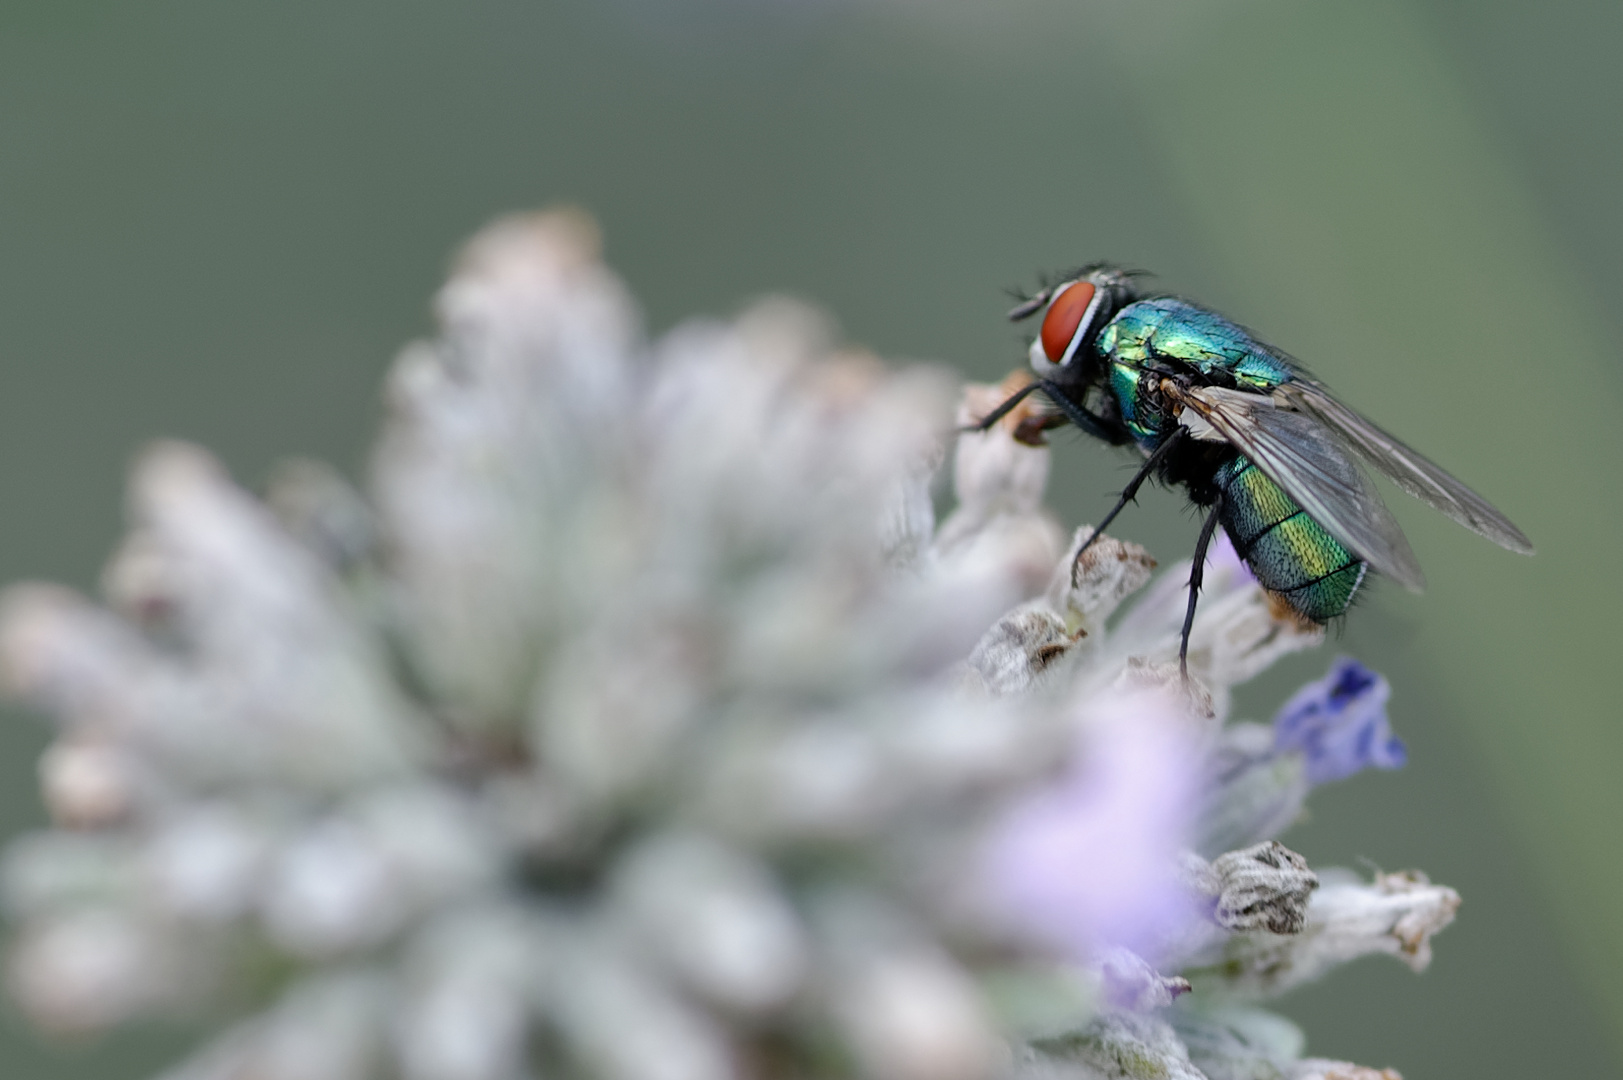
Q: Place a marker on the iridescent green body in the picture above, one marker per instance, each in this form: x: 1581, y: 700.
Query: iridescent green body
x: 1265, y: 449
x: 1290, y: 553
x: 1155, y: 333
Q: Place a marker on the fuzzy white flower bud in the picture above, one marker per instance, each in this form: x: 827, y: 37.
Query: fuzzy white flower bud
x: 910, y: 1012
x: 88, y: 969
x: 716, y: 919
x: 1127, y: 1045
x: 1396, y: 914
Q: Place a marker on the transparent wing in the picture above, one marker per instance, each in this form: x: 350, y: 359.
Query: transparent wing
x: 1302, y: 456
x: 1408, y: 468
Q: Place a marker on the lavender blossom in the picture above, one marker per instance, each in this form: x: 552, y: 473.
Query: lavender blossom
x: 638, y: 722
x: 1260, y: 776
x: 1339, y: 724
x: 1090, y: 861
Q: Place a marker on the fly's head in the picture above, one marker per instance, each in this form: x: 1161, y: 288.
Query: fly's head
x: 1073, y: 313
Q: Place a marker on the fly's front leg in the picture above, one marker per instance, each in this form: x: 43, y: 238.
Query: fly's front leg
x: 1092, y: 423
x: 985, y: 423
x: 1078, y: 414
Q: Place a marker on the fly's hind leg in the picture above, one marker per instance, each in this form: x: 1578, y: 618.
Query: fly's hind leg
x: 1196, y: 575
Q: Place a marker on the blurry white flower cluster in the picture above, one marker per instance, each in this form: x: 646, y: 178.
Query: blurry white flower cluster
x: 642, y: 724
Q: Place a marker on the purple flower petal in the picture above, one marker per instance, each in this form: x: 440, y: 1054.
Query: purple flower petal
x: 1090, y: 861
x: 1339, y: 724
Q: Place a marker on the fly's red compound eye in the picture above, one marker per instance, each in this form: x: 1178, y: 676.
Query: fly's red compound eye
x: 1064, y: 320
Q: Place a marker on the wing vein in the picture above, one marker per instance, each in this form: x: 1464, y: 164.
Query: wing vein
x: 1408, y: 468
x: 1308, y: 462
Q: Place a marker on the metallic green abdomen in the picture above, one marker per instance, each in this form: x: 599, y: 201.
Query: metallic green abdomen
x: 1289, y: 552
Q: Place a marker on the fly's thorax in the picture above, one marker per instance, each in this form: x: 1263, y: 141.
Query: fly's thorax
x: 1165, y: 331
x: 1291, y: 555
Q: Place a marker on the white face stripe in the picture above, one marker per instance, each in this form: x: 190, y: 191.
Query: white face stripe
x: 1040, y: 363
x: 1081, y: 327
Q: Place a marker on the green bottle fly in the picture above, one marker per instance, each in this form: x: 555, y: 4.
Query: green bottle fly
x: 1264, y: 448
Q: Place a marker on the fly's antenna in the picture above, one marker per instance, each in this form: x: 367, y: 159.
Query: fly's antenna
x: 1046, y: 284
x: 1027, y: 307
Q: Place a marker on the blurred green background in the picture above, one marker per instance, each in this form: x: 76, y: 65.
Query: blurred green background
x: 219, y: 221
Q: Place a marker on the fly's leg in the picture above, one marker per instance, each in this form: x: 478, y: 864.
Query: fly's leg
x: 985, y: 423
x: 1128, y: 492
x: 1093, y: 424
x: 1196, y: 573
